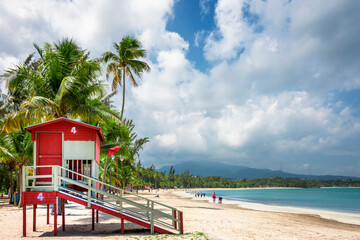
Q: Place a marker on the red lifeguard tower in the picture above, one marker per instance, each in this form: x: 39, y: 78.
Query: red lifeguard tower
x: 66, y: 166
x: 71, y: 144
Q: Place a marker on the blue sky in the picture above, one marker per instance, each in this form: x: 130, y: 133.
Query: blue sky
x: 191, y: 19
x: 267, y: 84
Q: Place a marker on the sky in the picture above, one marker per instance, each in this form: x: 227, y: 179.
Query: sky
x: 266, y: 84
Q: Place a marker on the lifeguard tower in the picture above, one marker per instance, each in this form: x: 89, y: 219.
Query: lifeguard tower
x: 66, y: 143
x: 66, y: 166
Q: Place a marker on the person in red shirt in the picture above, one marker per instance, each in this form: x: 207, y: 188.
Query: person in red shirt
x: 214, y: 197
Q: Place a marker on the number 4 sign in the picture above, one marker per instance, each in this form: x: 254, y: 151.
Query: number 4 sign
x: 40, y: 197
x: 73, y: 130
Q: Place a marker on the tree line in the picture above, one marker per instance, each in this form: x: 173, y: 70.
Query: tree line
x: 187, y: 180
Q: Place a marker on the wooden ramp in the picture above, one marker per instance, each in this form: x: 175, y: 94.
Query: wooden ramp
x: 112, y: 211
x: 125, y: 205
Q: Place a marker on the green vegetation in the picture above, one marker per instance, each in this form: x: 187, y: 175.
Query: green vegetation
x: 187, y: 180
x: 5, y: 179
x: 15, y: 152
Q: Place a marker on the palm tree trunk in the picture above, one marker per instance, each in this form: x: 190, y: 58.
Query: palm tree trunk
x: 110, y: 170
x: 11, y: 184
x: 104, y: 173
x: 123, y: 102
x: 17, y: 186
x: 20, y: 184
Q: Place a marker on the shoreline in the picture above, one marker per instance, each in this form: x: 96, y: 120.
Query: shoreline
x: 343, y: 217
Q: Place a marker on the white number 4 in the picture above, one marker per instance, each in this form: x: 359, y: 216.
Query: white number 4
x: 73, y: 130
x: 40, y: 197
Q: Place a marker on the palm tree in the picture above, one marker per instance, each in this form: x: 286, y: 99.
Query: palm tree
x: 124, y: 135
x: 15, y: 152
x: 17, y: 85
x: 125, y: 62
x: 8, y: 159
x: 62, y: 84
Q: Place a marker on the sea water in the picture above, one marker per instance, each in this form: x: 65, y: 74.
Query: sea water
x: 333, y: 199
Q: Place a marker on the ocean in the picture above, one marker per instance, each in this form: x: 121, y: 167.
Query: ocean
x: 333, y: 199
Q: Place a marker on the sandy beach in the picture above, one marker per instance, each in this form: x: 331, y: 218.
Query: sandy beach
x: 215, y: 221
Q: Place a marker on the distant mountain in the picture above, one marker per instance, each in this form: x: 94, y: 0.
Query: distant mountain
x: 240, y: 172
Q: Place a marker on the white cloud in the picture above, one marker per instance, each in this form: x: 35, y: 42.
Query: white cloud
x: 295, y: 48
x: 227, y: 40
x: 204, y: 6
x: 7, y: 62
x: 160, y: 40
x: 166, y: 140
x: 199, y: 38
x: 97, y: 25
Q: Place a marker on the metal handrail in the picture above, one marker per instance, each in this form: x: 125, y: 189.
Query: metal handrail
x: 59, y: 180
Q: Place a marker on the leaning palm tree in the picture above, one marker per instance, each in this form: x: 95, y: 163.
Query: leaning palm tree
x: 124, y: 62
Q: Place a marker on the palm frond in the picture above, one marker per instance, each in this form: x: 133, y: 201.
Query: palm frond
x: 38, y: 49
x: 18, y: 120
x: 107, y: 99
x: 115, y: 69
x: 109, y: 56
x: 4, y: 151
x: 91, y: 113
x: 130, y: 75
x: 38, y: 102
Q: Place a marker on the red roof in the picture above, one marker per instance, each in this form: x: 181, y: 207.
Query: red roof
x: 62, y: 119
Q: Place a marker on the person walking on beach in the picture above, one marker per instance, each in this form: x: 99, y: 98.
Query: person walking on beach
x: 214, y: 197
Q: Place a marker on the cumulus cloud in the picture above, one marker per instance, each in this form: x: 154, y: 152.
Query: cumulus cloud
x: 97, y: 25
x: 295, y: 47
x: 284, y: 125
x: 225, y: 42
